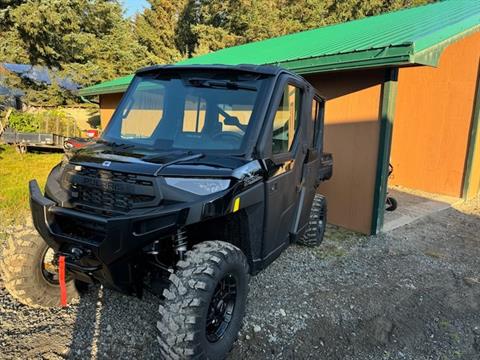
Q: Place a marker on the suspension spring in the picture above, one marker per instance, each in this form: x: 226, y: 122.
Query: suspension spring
x: 180, y: 242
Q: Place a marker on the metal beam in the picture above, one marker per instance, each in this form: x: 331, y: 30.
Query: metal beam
x: 387, y: 111
x: 473, y: 144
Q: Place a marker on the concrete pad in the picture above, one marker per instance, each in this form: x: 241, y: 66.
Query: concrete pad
x: 414, y: 205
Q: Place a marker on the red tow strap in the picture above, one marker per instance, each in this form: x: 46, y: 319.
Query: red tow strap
x: 61, y: 280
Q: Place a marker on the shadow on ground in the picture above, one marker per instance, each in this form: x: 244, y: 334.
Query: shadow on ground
x: 413, y: 293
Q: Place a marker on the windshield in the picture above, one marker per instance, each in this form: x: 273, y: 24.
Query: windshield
x: 187, y: 111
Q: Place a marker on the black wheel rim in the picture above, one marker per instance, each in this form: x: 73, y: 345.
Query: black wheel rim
x: 222, y: 306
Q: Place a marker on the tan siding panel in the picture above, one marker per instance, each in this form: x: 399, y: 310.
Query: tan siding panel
x: 351, y: 134
x: 108, y: 103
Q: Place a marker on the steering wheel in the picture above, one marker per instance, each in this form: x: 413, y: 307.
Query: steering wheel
x: 228, y: 135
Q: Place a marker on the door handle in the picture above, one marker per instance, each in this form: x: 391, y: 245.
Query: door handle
x: 274, y: 187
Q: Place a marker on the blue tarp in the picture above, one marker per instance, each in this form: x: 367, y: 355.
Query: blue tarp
x: 7, y: 91
x: 41, y: 75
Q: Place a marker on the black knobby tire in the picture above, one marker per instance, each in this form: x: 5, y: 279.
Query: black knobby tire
x: 391, y: 204
x: 317, y: 223
x: 184, y: 313
x: 22, y: 272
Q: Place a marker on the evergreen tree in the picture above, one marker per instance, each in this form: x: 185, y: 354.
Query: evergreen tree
x: 208, y: 25
x: 156, y: 27
x: 87, y: 40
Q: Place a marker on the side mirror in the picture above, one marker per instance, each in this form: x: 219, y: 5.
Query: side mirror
x: 233, y: 121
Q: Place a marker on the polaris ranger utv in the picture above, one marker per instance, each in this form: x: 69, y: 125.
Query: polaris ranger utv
x: 202, y: 177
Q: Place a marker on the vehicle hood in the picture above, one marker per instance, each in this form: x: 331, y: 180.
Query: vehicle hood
x: 103, y: 157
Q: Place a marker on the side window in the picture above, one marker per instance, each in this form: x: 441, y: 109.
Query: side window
x: 285, y: 123
x: 315, y: 120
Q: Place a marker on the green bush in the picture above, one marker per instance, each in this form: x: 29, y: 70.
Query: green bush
x: 49, y: 121
x: 24, y: 122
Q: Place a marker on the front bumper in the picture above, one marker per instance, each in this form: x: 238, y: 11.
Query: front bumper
x: 107, y: 244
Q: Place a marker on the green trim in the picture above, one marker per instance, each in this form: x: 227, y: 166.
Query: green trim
x: 117, y: 85
x: 385, y: 56
x: 472, y: 142
x: 387, y: 111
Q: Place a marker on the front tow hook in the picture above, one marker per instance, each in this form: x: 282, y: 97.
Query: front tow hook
x: 74, y: 255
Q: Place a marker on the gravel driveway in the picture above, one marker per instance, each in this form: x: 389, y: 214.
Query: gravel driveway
x: 413, y: 293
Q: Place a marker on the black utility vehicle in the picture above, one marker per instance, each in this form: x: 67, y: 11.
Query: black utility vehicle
x: 202, y: 177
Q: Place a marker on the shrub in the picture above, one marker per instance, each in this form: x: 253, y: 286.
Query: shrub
x: 48, y: 121
x: 24, y: 122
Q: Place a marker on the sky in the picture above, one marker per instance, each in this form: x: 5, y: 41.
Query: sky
x: 134, y: 6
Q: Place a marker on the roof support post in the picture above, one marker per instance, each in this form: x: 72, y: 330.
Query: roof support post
x: 387, y: 111
x: 471, y: 178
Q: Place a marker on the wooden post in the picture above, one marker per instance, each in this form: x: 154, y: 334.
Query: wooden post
x: 5, y: 124
x: 388, y: 101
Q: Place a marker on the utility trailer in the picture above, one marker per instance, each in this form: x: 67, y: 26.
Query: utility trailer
x: 35, y: 141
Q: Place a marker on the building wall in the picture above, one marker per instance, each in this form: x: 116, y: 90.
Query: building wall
x: 351, y: 134
x: 108, y: 103
x: 433, y: 119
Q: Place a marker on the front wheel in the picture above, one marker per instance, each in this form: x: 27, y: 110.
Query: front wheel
x: 205, y: 303
x: 30, y: 272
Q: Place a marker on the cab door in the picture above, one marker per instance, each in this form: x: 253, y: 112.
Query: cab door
x: 284, y: 164
x: 311, y: 166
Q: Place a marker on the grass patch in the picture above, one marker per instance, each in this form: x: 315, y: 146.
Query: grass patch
x: 336, y: 242
x: 434, y: 254
x: 16, y: 170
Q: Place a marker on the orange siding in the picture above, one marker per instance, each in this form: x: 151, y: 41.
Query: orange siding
x: 108, y: 103
x: 433, y: 118
x: 351, y: 134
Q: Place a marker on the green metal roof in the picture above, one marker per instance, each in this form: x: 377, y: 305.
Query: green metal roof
x: 411, y: 36
x: 117, y: 85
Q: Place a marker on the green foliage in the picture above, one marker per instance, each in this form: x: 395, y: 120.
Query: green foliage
x: 90, y: 40
x: 87, y: 40
x: 155, y: 29
x: 24, y: 122
x: 49, y: 121
x: 16, y: 170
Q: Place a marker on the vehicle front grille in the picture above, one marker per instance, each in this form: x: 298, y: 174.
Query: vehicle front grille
x: 109, y: 190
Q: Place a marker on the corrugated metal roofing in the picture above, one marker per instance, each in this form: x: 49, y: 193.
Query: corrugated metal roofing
x: 108, y: 87
x: 410, y: 36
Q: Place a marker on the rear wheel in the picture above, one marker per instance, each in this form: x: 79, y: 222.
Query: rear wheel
x: 30, y: 272
x: 205, y: 303
x: 317, y: 223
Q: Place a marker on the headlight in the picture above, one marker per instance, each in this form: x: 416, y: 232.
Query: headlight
x: 199, y: 186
